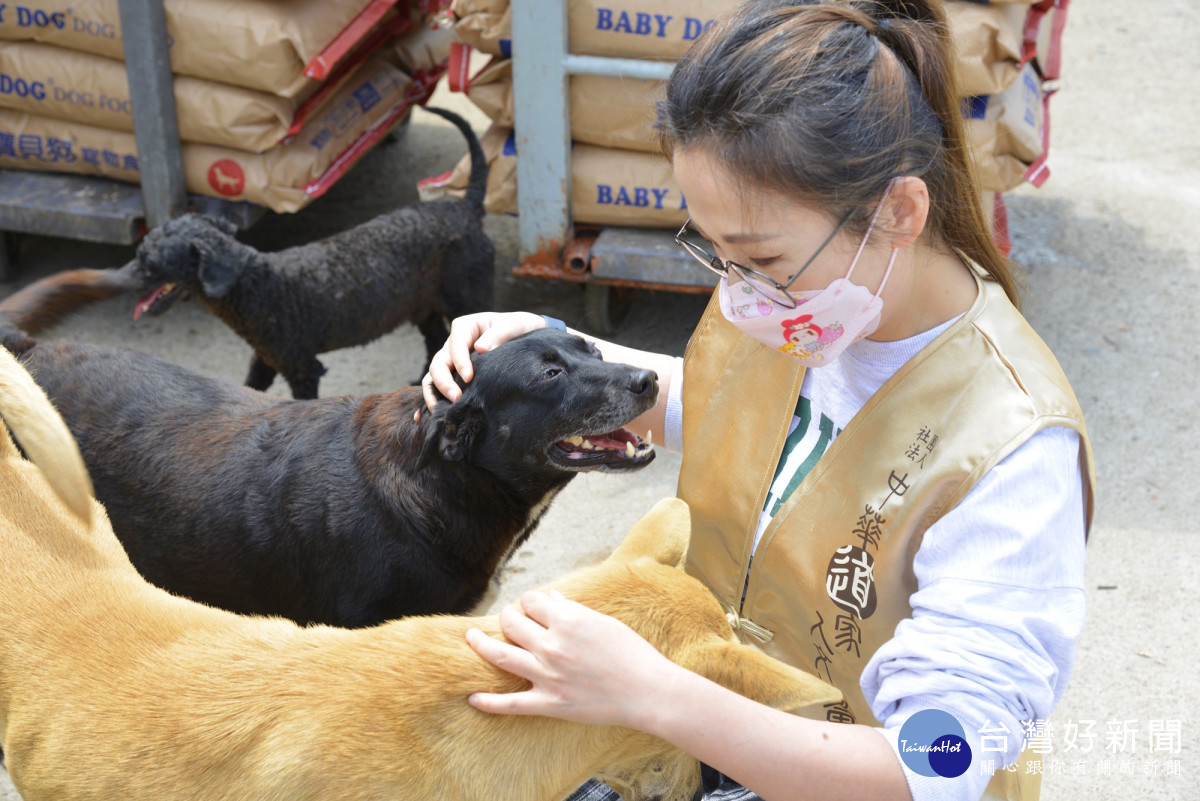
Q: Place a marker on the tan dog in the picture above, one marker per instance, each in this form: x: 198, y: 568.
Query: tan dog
x: 111, y: 688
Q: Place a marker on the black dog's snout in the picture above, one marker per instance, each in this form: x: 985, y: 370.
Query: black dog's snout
x: 643, y: 382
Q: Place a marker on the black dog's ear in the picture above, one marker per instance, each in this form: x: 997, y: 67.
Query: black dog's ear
x: 217, y: 265
x: 464, y: 423
x: 453, y: 427
x: 217, y: 276
x: 456, y: 427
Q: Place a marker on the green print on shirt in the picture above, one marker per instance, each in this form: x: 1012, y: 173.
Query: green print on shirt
x: 825, y: 434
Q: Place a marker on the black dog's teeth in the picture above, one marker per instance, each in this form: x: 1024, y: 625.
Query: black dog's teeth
x: 620, y: 441
x: 157, y: 300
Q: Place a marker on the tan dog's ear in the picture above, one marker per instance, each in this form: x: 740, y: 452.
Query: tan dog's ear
x: 749, y: 672
x: 662, y: 534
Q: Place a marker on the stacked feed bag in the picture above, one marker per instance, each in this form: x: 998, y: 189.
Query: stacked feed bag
x: 274, y: 100
x: 619, y: 176
x: 618, y: 173
x: 1009, y: 57
x: 1006, y: 56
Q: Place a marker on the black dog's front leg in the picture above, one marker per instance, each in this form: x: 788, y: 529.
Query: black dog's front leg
x: 433, y: 328
x: 304, y: 380
x: 261, y: 374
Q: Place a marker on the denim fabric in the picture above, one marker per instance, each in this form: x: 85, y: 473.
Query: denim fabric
x: 714, y: 787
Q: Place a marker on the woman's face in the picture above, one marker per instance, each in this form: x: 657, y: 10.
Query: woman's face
x: 775, y: 235
x: 765, y: 230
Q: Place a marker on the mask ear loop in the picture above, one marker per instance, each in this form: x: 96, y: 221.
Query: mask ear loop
x: 863, y: 244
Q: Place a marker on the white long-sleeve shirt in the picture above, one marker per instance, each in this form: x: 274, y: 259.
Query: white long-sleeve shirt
x: 999, y: 606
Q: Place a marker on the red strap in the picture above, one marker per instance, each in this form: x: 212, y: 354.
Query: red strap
x: 458, y: 68
x: 1039, y: 170
x: 1000, y: 225
x: 435, y: 181
x: 1049, y: 67
x: 322, y: 64
x: 1050, y: 62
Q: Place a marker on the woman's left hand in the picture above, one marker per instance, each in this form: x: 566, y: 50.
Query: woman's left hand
x: 584, y: 666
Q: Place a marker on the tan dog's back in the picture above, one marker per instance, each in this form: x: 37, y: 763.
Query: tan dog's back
x: 111, y: 688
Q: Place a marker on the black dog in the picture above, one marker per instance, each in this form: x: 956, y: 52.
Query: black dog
x: 339, y: 510
x: 422, y: 264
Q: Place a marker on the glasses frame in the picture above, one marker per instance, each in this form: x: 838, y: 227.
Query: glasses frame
x: 764, y: 285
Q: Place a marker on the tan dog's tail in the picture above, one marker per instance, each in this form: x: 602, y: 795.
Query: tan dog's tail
x: 43, y: 303
x: 44, y: 436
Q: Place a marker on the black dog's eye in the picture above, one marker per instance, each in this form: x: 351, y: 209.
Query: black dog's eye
x: 550, y: 372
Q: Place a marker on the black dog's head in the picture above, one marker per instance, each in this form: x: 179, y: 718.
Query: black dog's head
x: 546, y: 402
x: 190, y: 252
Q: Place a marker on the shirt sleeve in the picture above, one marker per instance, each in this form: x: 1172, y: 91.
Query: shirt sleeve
x: 673, y: 424
x: 997, y: 614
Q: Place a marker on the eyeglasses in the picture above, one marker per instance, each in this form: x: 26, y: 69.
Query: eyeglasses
x: 764, y: 285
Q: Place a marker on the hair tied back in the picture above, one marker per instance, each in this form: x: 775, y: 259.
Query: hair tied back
x: 883, y: 29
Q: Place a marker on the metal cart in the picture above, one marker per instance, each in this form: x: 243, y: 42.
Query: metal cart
x: 612, y: 262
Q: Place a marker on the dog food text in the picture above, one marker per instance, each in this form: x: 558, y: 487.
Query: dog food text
x: 637, y: 196
x: 645, y: 24
x: 54, y: 149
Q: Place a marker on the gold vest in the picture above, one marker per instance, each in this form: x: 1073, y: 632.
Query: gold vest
x: 833, y: 573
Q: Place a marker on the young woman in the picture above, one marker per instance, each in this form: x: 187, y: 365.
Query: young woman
x: 888, y: 473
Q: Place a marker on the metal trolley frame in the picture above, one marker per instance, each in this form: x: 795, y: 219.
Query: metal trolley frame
x: 613, y: 262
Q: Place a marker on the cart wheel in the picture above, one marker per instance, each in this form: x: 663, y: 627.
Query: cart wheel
x: 606, y: 307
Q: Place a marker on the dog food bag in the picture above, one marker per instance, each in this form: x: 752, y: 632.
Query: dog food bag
x: 608, y: 186
x: 989, y: 44
x: 485, y: 25
x: 426, y: 46
x: 70, y: 85
x: 275, y: 46
x: 605, y: 111
x: 625, y: 187
x: 988, y: 36
x: 650, y: 29
x: 1007, y: 133
x: 284, y: 178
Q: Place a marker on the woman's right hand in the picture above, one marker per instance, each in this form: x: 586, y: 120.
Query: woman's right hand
x: 582, y: 665
x: 479, y: 332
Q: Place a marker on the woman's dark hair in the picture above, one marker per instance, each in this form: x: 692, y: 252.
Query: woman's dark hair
x: 826, y: 103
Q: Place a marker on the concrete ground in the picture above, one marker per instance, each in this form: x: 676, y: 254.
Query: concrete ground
x: 1113, y: 263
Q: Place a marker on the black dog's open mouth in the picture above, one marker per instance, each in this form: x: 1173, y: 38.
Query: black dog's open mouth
x: 158, y: 301
x: 617, y: 450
